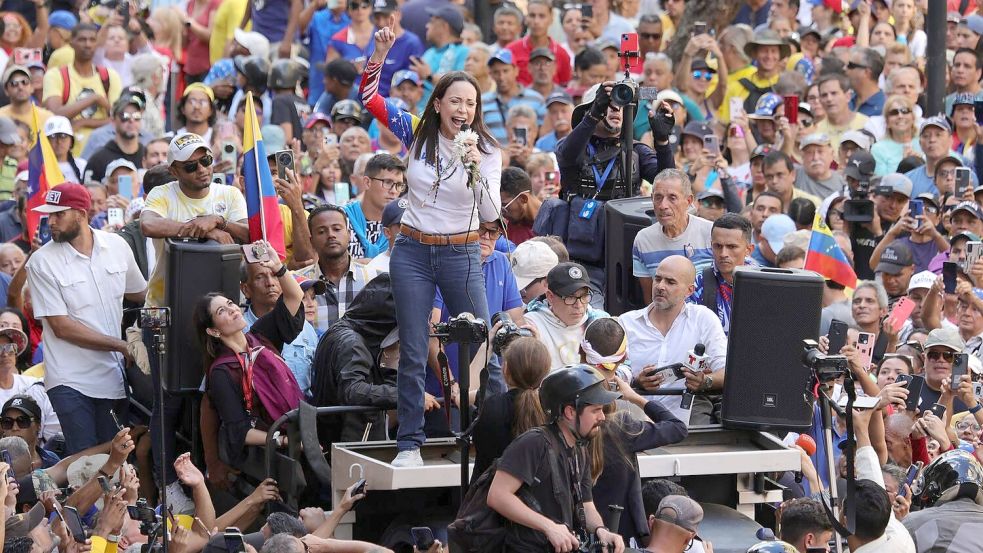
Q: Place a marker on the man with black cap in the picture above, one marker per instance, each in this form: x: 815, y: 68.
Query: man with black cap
x: 128, y: 120
x: 864, y: 236
x: 542, y: 66
x: 552, y: 464
x: 894, y: 266
x: 966, y: 217
x: 560, y: 321
x: 559, y: 109
x: 508, y: 93
x: 539, y: 17
x: 82, y: 347
x: 339, y: 84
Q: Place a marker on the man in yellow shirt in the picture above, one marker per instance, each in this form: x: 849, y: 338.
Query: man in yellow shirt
x: 834, y: 95
x: 91, y: 90
x: 17, y: 85
x: 767, y: 50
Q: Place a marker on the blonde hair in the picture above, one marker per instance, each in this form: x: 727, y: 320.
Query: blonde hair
x: 172, y: 27
x: 895, y: 100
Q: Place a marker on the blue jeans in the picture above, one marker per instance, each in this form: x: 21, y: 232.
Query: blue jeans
x: 171, y: 409
x: 417, y: 270
x: 85, y: 421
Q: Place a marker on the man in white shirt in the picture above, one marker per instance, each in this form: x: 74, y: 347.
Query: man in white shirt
x: 667, y: 330
x: 79, y: 280
x: 561, y: 320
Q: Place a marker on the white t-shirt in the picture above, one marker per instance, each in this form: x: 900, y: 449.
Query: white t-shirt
x: 28, y: 385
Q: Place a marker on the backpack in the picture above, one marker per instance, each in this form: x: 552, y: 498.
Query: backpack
x: 710, y: 286
x: 754, y: 93
x: 480, y: 529
x: 274, y: 384
x: 66, y: 84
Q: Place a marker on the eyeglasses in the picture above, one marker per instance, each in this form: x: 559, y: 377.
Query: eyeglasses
x: 806, y: 122
x: 489, y: 232
x: 574, y: 300
x: 134, y: 116
x: 18, y: 82
x: 389, y: 184
x: 968, y: 425
x: 935, y: 355
x: 198, y: 101
x: 945, y: 173
x: 192, y: 166
x: 899, y: 111
x: 852, y: 65
x: 650, y: 36
x: 705, y: 75
x: 359, y: 5
x: 712, y: 204
x: 915, y: 345
x: 23, y: 421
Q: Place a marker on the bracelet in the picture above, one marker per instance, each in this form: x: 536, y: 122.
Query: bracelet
x: 222, y: 223
x: 977, y: 409
x: 281, y: 272
x: 600, y: 528
x: 102, y: 472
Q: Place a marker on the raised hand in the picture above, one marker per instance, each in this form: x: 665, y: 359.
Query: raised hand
x: 384, y: 40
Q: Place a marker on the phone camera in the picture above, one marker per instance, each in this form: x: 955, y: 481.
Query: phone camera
x: 229, y: 148
x: 285, y: 159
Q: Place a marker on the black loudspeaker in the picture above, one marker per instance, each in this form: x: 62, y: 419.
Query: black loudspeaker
x: 774, y: 310
x: 193, y: 270
x: 624, y: 219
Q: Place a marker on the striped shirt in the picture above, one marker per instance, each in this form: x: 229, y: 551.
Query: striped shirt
x: 494, y: 110
x: 652, y: 246
x: 333, y: 303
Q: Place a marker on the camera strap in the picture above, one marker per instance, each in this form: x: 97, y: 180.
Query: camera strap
x: 445, y: 381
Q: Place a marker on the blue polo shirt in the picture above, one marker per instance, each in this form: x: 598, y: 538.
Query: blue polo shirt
x: 323, y: 26
x: 350, y: 51
x: 502, y: 294
x: 872, y: 106
x: 494, y: 110
x: 922, y: 182
x: 298, y: 355
x: 406, y: 46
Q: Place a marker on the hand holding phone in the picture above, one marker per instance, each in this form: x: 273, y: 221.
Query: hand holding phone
x: 422, y: 538
x: 902, y: 310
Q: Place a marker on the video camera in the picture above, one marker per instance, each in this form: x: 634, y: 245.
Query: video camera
x: 462, y: 329
x: 859, y: 208
x: 825, y: 368
x: 509, y: 331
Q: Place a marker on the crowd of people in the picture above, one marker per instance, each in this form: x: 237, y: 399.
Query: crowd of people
x: 448, y: 164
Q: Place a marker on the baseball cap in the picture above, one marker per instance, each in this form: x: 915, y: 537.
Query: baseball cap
x: 128, y: 100
x: 805, y: 107
x: 923, y: 279
x: 766, y: 106
x: 504, y: 55
x: 16, y: 337
x: 19, y: 526
x: 774, y: 230
x: 700, y: 64
x: 255, y: 43
x: 63, y: 19
x: 8, y: 131
x: 542, y: 53
x: 341, y: 70
x: 814, y: 139
x: 975, y: 23
x: 559, y: 97
x: 861, y: 166
x: 945, y: 337
x: 669, y: 95
x: 681, y: 511
x: 23, y: 403
x: 939, y: 121
x: 120, y: 163
x: 566, y: 278
x: 451, y: 15
x: 392, y: 214
x: 11, y: 69
x: 65, y: 196
x: 57, y: 124
x: 898, y: 183
x: 384, y: 6
x: 969, y: 236
x: 962, y: 99
x: 315, y: 118
x: 928, y: 197
x: 86, y: 468
x: 969, y: 207
x: 184, y: 145
x: 401, y: 77
x: 207, y: 90
x: 896, y: 256
x: 859, y: 138
x: 307, y: 283
x: 710, y: 193
x: 532, y: 260
x: 953, y: 16
x: 697, y: 129
x: 761, y: 150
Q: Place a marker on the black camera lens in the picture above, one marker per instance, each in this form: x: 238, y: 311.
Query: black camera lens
x: 501, y: 317
x: 229, y: 148
x: 622, y: 94
x: 285, y: 159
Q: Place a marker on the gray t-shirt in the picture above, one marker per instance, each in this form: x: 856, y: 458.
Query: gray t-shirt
x: 835, y: 183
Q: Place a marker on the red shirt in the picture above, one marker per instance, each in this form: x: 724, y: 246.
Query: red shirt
x: 520, y: 57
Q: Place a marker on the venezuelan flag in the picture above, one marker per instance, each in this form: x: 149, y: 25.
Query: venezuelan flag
x: 43, y: 173
x: 262, y: 205
x: 826, y: 258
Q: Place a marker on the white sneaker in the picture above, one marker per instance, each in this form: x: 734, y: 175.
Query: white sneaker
x: 408, y: 458
x: 178, y: 501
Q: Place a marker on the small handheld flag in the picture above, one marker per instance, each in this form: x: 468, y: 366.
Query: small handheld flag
x: 262, y: 204
x: 826, y: 258
x: 43, y: 173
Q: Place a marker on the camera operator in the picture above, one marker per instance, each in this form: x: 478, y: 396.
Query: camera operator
x: 864, y: 235
x: 952, y: 504
x: 591, y: 166
x: 667, y: 330
x: 573, y: 399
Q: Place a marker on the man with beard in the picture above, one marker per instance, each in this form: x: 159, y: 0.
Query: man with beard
x: 196, y: 111
x: 190, y: 207
x: 127, y: 118
x: 80, y: 279
x: 667, y: 330
x: 559, y: 109
x: 730, y: 243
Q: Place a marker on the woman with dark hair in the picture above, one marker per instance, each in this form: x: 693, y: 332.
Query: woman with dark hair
x: 453, y: 177
x: 247, y: 381
x: 13, y: 318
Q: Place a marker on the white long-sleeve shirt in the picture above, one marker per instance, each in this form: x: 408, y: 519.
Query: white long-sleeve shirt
x: 896, y: 538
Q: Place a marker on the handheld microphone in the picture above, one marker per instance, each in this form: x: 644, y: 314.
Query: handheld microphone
x: 465, y: 127
x: 696, y: 360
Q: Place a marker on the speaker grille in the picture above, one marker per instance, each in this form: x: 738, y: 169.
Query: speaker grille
x: 773, y: 311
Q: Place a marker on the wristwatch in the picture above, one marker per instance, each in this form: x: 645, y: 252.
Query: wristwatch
x: 707, y: 383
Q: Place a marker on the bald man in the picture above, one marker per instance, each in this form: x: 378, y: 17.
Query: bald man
x: 666, y: 332
x: 897, y: 432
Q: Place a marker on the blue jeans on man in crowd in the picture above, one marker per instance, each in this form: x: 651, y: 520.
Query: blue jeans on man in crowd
x: 418, y: 270
x: 85, y: 421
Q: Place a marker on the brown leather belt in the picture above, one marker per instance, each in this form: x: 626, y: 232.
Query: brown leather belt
x: 439, y: 239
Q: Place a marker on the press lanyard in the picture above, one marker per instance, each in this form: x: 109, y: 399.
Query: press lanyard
x: 600, y: 178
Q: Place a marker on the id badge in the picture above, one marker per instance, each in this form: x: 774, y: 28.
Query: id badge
x: 587, y: 211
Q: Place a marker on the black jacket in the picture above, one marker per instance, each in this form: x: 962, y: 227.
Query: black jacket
x: 134, y: 237
x: 346, y: 369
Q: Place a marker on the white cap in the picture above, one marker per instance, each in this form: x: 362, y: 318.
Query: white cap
x: 119, y: 163
x: 257, y: 44
x: 669, y: 95
x: 57, y: 124
x: 923, y: 279
x: 184, y: 145
x: 861, y: 139
x: 23, y: 175
x: 531, y: 260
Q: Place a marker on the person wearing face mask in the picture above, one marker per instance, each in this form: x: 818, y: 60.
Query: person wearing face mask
x: 453, y: 187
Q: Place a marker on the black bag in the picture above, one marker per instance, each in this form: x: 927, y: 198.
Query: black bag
x: 552, y: 219
x: 754, y: 92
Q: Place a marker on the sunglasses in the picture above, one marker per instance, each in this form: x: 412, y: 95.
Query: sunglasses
x: 135, y: 116
x: 23, y: 421
x: 898, y: 111
x: 805, y: 122
x: 8, y: 348
x: 650, y: 36
x: 18, y: 82
x: 947, y: 356
x: 192, y: 166
x: 359, y: 5
x: 489, y: 232
x: 705, y: 75
x: 852, y: 65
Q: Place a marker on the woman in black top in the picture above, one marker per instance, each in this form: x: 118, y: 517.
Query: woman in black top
x: 237, y: 360
x: 525, y: 363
